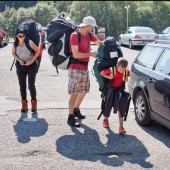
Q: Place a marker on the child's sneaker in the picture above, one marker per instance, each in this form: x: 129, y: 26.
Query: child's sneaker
x: 122, y: 131
x: 106, y: 123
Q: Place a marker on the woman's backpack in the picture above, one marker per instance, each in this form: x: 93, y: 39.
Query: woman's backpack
x: 30, y: 28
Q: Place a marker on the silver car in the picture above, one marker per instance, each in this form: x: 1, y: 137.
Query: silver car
x: 137, y: 36
x: 165, y: 35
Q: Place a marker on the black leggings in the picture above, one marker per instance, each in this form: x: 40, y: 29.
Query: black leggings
x: 22, y: 73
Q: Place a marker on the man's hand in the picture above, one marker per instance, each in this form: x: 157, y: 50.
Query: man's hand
x: 94, y: 54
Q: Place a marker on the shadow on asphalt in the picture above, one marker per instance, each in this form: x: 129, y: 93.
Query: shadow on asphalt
x: 159, y: 132
x: 118, y: 149
x: 25, y: 130
x: 136, y: 48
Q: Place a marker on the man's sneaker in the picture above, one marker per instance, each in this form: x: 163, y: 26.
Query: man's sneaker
x: 78, y: 114
x: 72, y: 121
x: 106, y: 123
x: 122, y: 131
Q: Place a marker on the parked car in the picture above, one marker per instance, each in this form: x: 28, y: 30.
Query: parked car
x: 149, y: 84
x: 137, y: 36
x: 4, y: 39
x: 165, y: 34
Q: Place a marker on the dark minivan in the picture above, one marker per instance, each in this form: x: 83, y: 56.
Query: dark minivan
x: 149, y: 84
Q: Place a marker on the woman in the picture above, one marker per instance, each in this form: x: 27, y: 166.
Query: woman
x: 25, y: 66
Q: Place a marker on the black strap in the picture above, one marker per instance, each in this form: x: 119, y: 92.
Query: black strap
x: 76, y: 61
x: 127, y: 109
x: 12, y: 64
x: 79, y: 36
x: 27, y: 44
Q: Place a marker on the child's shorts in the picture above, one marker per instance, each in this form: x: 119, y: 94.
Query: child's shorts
x: 79, y: 81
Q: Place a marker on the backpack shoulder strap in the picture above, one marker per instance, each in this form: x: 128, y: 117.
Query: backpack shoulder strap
x: 27, y: 44
x: 113, y: 70
x: 125, y: 75
x: 79, y: 36
x: 89, y: 35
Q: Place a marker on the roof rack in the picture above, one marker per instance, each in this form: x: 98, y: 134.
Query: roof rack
x: 162, y: 41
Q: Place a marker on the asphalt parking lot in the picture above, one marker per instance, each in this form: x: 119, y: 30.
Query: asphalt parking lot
x: 50, y: 144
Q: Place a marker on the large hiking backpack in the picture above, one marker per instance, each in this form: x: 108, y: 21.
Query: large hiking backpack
x: 58, y: 36
x: 108, y: 53
x: 30, y: 28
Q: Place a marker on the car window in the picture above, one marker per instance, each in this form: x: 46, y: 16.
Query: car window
x: 163, y: 65
x: 126, y: 31
x: 129, y: 31
x: 148, y: 56
x: 144, y: 29
x: 165, y: 31
x: 168, y: 31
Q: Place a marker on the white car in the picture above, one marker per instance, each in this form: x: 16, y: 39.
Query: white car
x: 165, y: 34
x: 137, y: 36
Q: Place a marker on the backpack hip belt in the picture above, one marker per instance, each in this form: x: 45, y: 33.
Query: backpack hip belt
x: 76, y: 61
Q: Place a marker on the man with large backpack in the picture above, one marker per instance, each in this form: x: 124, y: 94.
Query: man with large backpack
x: 25, y: 51
x: 79, y: 82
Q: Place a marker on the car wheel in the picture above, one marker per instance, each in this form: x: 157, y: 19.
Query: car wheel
x: 142, y: 112
x: 130, y: 44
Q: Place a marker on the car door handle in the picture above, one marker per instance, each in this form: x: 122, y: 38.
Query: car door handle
x: 150, y: 80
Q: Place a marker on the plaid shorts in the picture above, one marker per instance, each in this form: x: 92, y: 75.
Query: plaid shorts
x: 79, y: 81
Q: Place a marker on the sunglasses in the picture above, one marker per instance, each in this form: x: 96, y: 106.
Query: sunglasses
x: 20, y: 36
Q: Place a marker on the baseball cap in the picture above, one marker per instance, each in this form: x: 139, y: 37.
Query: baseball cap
x: 89, y: 20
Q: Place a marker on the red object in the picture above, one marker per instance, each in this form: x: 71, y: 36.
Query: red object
x: 122, y: 131
x: 106, y: 123
x: 41, y: 50
x: 137, y: 36
x: 42, y: 34
x: 156, y: 37
x: 117, y: 80
x: 83, y: 46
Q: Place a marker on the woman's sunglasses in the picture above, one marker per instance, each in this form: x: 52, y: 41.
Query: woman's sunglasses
x: 20, y: 36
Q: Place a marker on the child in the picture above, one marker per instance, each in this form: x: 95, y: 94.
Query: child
x: 113, y: 91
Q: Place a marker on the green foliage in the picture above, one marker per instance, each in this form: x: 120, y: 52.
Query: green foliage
x: 63, y: 6
x: 44, y: 12
x: 16, y: 4
x: 3, y: 23
x: 109, y: 14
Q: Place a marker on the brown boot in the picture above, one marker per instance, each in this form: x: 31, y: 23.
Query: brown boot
x: 34, y: 105
x: 24, y: 106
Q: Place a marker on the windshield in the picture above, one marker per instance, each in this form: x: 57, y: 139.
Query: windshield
x: 144, y: 29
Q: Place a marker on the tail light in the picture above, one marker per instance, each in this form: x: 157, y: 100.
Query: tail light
x: 156, y: 37
x: 137, y: 36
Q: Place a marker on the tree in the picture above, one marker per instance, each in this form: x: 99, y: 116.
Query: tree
x: 44, y: 12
